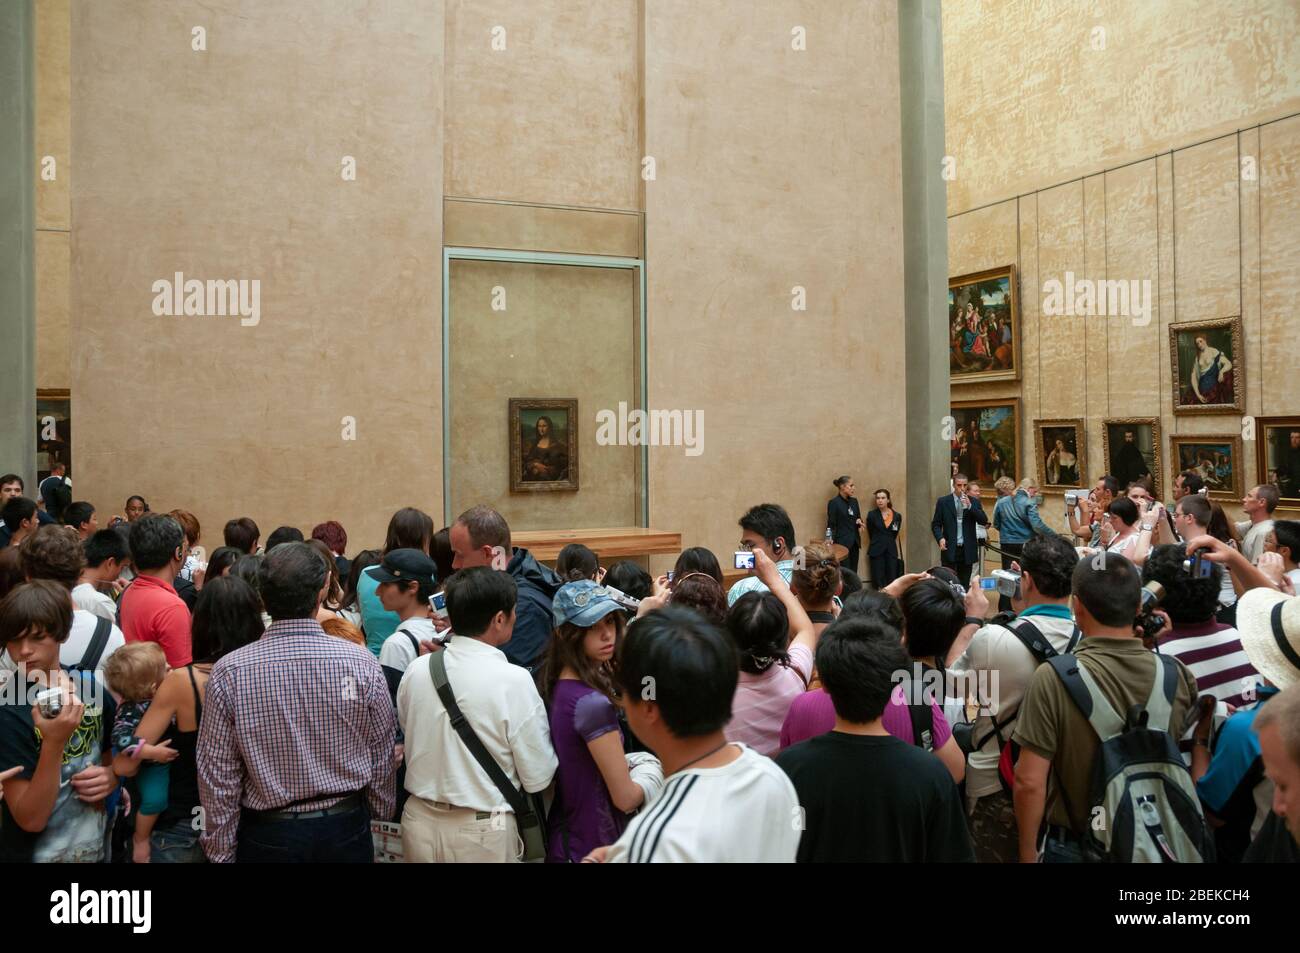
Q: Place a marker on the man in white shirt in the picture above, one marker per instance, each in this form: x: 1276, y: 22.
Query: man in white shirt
x: 1285, y: 541
x: 720, y: 802
x: 455, y: 812
x: 766, y: 527
x: 106, y: 554
x: 1258, y: 505
x: 997, y: 663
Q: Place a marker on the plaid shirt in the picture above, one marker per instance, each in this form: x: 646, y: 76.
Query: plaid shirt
x: 297, y: 718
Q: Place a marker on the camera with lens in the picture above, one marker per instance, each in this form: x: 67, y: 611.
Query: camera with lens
x: 1198, y: 567
x: 1008, y: 583
x: 1147, y: 621
x: 1071, y: 500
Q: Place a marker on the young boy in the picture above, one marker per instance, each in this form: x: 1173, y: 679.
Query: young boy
x: 407, y: 578
x: 53, y: 809
x: 106, y: 555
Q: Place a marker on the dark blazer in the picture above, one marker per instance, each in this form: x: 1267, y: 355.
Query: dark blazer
x: 944, y: 526
x: 842, y: 516
x: 883, y: 540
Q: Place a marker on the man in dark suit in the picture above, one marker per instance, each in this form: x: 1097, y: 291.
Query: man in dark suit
x: 955, y: 518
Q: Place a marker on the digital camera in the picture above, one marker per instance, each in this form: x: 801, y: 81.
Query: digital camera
x: 1007, y: 583
x: 744, y: 559
x: 1198, y: 567
x: 50, y: 702
x: 1071, y: 500
x: 438, y: 602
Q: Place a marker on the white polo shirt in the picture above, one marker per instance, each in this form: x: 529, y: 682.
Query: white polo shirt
x: 86, y: 596
x: 501, y: 703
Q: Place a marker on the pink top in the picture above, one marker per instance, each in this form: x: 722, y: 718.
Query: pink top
x: 761, y: 702
x: 813, y: 714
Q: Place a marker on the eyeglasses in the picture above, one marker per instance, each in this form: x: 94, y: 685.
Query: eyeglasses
x: 746, y: 545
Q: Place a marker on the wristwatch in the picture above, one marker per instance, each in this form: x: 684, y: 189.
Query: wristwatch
x: 971, y: 620
x: 1147, y: 527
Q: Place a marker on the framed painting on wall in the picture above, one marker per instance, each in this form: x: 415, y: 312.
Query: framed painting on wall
x: 985, y: 441
x: 984, y: 326
x: 543, y: 443
x: 1208, y: 362
x: 1217, y: 458
x: 1060, y: 450
x: 53, y: 431
x: 1131, y: 450
x: 1277, y: 450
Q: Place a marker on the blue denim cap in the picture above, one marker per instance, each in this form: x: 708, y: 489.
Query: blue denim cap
x: 584, y: 603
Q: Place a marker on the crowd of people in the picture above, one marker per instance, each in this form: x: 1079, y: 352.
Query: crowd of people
x: 271, y: 703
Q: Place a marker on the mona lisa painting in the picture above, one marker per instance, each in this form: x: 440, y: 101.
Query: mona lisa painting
x: 543, y: 444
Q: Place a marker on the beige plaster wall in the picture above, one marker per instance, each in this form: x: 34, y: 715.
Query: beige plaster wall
x: 775, y: 168
x: 227, y: 164
x: 1030, y: 101
x: 53, y: 129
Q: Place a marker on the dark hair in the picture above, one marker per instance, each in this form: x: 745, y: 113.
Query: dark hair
x: 933, y: 614
x: 242, y: 534
x: 698, y: 559
x: 629, y: 578
x: 701, y: 592
x: 227, y: 616
x: 770, y: 521
x: 1197, y: 507
x: 409, y: 528
x: 154, y: 541
x: 54, y: 553
x: 13, y: 478
x: 11, y: 570
x: 441, y: 553
x: 16, y: 511
x: 292, y: 575
x: 819, y: 580
x: 362, y: 561
x: 850, y: 582
x: 1108, y: 586
x: 1109, y: 483
x: 840, y: 481
x: 104, y: 544
x: 78, y: 513
x: 676, y: 659
x: 222, y: 558
x: 873, y: 602
x: 335, y: 591
x: 1125, y: 509
x: 759, y: 626
x: 889, y: 498
x: 474, y: 597
x: 284, y: 534
x: 332, y: 534
x: 1188, y: 600
x: 1219, y: 526
x: 1192, y: 481
x: 141, y: 499
x: 565, y: 649
x: 37, y: 606
x: 1051, y: 561
x: 1288, y: 535
x: 486, y: 527
x: 857, y: 658
x: 1268, y: 493
x: 249, y: 568
x: 576, y: 562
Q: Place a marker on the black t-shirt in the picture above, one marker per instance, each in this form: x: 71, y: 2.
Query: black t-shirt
x: 872, y: 798
x: 1273, y: 845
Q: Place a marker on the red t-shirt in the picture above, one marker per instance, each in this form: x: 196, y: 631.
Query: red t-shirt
x: 152, y: 612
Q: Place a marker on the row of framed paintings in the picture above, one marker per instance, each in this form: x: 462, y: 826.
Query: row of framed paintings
x: 1206, y: 357
x: 985, y: 446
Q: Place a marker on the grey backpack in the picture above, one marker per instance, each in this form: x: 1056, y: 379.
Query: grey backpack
x: 1143, y: 804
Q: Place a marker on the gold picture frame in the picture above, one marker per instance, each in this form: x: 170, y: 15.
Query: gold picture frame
x: 1221, y: 334
x: 1110, y: 448
x: 537, y: 469
x: 1053, y: 473
x: 984, y: 458
x: 1278, y: 462
x: 1202, y: 453
x: 975, y: 356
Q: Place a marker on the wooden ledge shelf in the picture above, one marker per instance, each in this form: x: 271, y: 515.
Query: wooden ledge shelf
x: 608, y: 543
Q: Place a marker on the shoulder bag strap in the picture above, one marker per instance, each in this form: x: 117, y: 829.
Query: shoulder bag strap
x: 90, y: 661
x: 1033, y: 639
x: 1085, y: 694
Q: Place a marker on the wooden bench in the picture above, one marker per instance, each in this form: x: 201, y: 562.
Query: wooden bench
x: 610, y: 543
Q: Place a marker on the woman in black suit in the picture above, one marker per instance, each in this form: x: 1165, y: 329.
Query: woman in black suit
x: 883, y: 524
x: 844, y: 520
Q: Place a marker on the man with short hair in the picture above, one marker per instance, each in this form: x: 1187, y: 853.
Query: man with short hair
x: 1279, y: 742
x: 149, y: 609
x: 1258, y: 505
x: 296, y: 744
x: 1091, y: 508
x: 81, y: 517
x: 1285, y: 541
x: 481, y: 537
x: 765, y: 527
x: 720, y: 802
x: 956, y: 517
x: 456, y: 812
x: 20, y: 519
x: 1058, y: 746
x: 242, y: 534
x: 11, y: 485
x: 55, y: 492
x: 106, y: 554
x: 865, y: 795
x: 997, y: 662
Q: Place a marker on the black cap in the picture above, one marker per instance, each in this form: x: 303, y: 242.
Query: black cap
x: 404, y: 565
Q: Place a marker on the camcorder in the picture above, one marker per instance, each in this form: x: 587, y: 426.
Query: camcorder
x: 1071, y: 500
x: 1007, y: 583
x: 1147, y: 621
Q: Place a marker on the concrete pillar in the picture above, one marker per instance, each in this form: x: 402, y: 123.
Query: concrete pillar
x: 925, y: 272
x: 17, y: 241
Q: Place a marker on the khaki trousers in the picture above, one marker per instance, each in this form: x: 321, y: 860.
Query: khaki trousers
x: 438, y: 833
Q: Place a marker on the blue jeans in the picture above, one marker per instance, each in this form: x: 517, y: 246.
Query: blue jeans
x: 336, y: 839
x: 177, y: 843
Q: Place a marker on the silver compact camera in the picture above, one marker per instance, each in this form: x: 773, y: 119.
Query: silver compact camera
x: 1071, y: 500
x: 50, y: 702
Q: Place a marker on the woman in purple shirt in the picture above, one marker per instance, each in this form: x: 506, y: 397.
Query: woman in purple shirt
x: 594, y: 790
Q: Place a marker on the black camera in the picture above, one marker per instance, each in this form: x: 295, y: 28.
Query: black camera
x: 1147, y: 621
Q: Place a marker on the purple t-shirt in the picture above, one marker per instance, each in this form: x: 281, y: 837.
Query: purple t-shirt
x: 813, y: 714
x: 580, y: 714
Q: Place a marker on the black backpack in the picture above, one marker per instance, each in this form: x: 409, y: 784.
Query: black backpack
x: 95, y: 650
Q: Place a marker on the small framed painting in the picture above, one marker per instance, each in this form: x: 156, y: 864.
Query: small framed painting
x: 1060, y: 449
x: 543, y: 444
x: 1131, y: 450
x: 1277, y: 449
x: 1217, y: 458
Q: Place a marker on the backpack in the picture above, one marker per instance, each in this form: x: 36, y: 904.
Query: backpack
x: 95, y: 649
x: 1141, y: 788
x: 921, y: 714
x: 1041, y: 649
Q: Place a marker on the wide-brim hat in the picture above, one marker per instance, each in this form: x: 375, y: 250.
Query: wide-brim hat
x: 1269, y: 624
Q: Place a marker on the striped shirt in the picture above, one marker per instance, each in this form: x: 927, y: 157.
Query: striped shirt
x: 1214, y: 654
x: 746, y: 812
x: 297, y: 718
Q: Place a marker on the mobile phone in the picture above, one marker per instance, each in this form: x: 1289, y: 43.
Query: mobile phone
x: 670, y: 575
x: 438, y: 603
x: 744, y: 559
